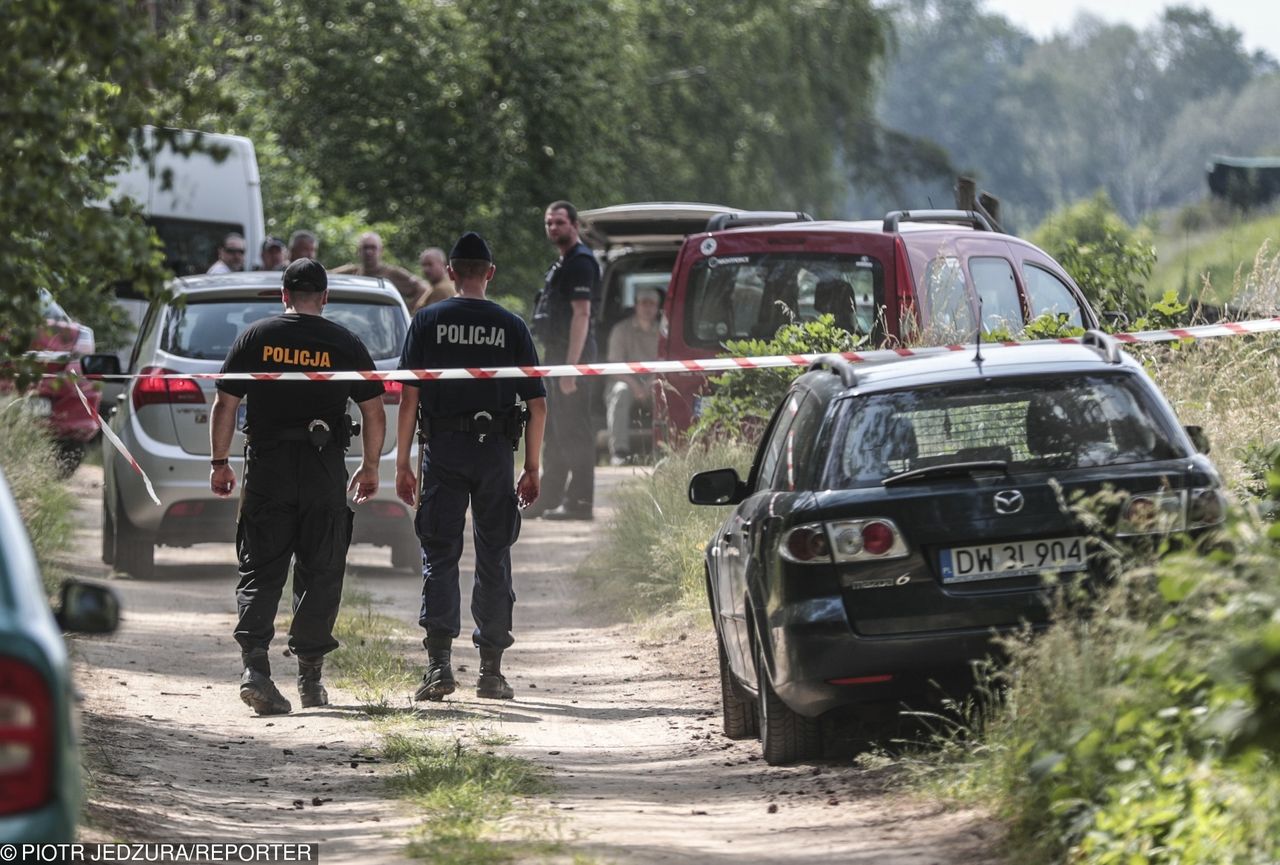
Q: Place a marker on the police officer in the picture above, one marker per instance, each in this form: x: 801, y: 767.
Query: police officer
x: 293, y: 503
x: 468, y: 432
x: 563, y: 320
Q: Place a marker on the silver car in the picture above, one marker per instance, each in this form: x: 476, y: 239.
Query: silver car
x: 165, y: 422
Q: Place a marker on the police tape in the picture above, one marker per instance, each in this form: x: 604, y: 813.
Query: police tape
x: 719, y: 364
x: 709, y: 365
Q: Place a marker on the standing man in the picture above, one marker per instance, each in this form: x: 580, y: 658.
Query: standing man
x: 230, y: 255
x: 272, y: 254
x: 632, y: 339
x: 303, y: 244
x: 293, y: 504
x: 562, y: 320
x: 434, y: 269
x: 410, y: 287
x: 468, y: 431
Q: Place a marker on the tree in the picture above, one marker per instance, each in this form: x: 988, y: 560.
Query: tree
x: 79, y: 79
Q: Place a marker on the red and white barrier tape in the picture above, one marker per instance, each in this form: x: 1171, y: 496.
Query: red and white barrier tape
x: 119, y: 445
x: 721, y: 364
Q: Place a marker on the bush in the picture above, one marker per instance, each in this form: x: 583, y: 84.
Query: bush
x: 28, y: 458
x: 1110, y: 261
x: 747, y: 399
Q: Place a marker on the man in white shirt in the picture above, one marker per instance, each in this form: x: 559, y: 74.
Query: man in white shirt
x: 230, y: 255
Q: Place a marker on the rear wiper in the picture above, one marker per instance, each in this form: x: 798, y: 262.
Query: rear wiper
x: 946, y: 470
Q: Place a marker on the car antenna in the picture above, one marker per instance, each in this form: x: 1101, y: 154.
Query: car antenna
x: 977, y: 339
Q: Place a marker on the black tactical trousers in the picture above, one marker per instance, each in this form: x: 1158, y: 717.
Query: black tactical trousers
x: 293, y: 506
x: 569, y: 449
x: 458, y: 469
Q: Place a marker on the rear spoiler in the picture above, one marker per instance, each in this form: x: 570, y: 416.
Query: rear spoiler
x: 721, y: 221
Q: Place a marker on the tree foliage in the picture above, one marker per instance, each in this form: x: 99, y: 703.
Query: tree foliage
x: 79, y: 78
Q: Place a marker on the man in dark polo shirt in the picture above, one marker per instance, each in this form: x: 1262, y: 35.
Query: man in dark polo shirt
x: 562, y: 321
x: 293, y: 503
x: 469, y: 430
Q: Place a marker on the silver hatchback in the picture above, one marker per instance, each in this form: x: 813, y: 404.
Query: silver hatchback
x: 164, y: 422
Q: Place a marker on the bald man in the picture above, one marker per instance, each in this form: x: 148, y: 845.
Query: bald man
x: 370, y: 263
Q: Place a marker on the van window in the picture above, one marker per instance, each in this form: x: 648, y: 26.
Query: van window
x: 751, y: 296
x: 191, y: 246
x: 206, y: 330
x: 1048, y: 294
x: 947, y: 305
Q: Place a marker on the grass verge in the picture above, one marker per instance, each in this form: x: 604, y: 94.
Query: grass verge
x: 28, y: 460
x: 651, y: 557
x: 478, y: 802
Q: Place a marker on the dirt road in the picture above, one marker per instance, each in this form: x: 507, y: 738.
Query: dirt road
x: 629, y: 729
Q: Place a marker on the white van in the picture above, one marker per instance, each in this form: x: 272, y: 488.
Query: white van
x: 193, y: 201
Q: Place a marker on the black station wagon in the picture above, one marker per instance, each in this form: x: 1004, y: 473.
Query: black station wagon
x: 899, y: 516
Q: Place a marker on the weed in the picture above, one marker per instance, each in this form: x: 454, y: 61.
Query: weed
x: 29, y: 462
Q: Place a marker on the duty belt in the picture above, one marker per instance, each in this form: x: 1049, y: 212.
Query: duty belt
x: 318, y: 432
x: 508, y: 423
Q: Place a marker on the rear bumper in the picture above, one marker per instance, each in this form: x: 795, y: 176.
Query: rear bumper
x: 813, y: 646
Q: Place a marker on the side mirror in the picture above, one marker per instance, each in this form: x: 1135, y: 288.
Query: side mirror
x: 100, y: 364
x: 1198, y: 438
x: 87, y: 608
x: 717, y: 487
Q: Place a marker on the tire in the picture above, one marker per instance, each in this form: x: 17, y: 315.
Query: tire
x: 135, y: 550
x: 68, y: 457
x: 785, y: 736
x: 406, y: 555
x: 737, y: 708
x: 108, y: 532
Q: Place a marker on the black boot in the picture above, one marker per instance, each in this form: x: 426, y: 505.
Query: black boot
x: 257, y: 691
x: 310, y: 692
x: 438, y: 680
x: 491, y: 685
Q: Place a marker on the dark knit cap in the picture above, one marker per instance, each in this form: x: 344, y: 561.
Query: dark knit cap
x: 306, y: 274
x: 471, y: 246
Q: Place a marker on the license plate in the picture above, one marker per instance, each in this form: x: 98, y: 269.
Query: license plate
x: 1012, y: 559
x: 38, y: 406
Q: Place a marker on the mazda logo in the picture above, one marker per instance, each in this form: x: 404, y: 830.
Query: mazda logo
x: 1009, y: 502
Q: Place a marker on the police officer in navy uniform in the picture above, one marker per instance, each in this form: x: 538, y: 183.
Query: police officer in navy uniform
x: 468, y: 432
x: 563, y: 321
x: 293, y: 501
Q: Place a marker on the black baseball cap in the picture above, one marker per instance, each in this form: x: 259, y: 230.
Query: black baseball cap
x: 471, y: 247
x: 272, y: 243
x: 306, y: 274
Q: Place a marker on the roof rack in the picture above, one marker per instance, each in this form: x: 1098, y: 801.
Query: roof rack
x: 1103, y: 343
x: 721, y: 221
x: 837, y: 364
x: 964, y: 217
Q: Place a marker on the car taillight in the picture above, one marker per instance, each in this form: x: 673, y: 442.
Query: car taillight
x: 391, y: 396
x: 26, y: 738
x: 867, y: 540
x: 151, y: 389
x: 806, y: 544
x: 1206, y: 507
x: 1153, y: 514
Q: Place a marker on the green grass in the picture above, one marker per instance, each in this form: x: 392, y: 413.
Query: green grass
x: 28, y: 460
x: 1211, y: 263
x: 371, y: 661
x: 651, y: 558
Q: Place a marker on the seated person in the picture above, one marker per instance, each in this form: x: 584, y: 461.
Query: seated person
x: 835, y: 296
x: 632, y: 339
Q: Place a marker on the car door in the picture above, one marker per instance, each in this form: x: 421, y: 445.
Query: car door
x: 744, y: 534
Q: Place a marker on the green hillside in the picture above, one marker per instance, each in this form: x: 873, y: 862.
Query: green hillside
x: 1186, y: 259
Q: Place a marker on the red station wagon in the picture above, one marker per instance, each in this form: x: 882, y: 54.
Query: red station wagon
x: 915, y: 277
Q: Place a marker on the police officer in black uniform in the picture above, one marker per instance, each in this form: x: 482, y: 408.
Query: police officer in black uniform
x: 563, y: 321
x: 468, y: 432
x: 293, y: 503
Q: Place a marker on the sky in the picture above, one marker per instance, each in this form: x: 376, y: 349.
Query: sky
x: 1257, y: 20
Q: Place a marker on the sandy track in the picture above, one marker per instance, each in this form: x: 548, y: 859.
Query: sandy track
x: 629, y: 729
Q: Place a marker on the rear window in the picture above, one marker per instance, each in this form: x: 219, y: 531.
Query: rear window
x: 751, y: 296
x: 206, y: 330
x: 1030, y: 424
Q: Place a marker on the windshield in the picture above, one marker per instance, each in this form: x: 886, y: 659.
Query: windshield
x: 751, y: 296
x: 191, y: 246
x: 1029, y: 424
x: 207, y: 330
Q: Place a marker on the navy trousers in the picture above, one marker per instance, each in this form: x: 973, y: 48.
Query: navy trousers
x: 458, y: 469
x: 569, y: 449
x: 293, y: 506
